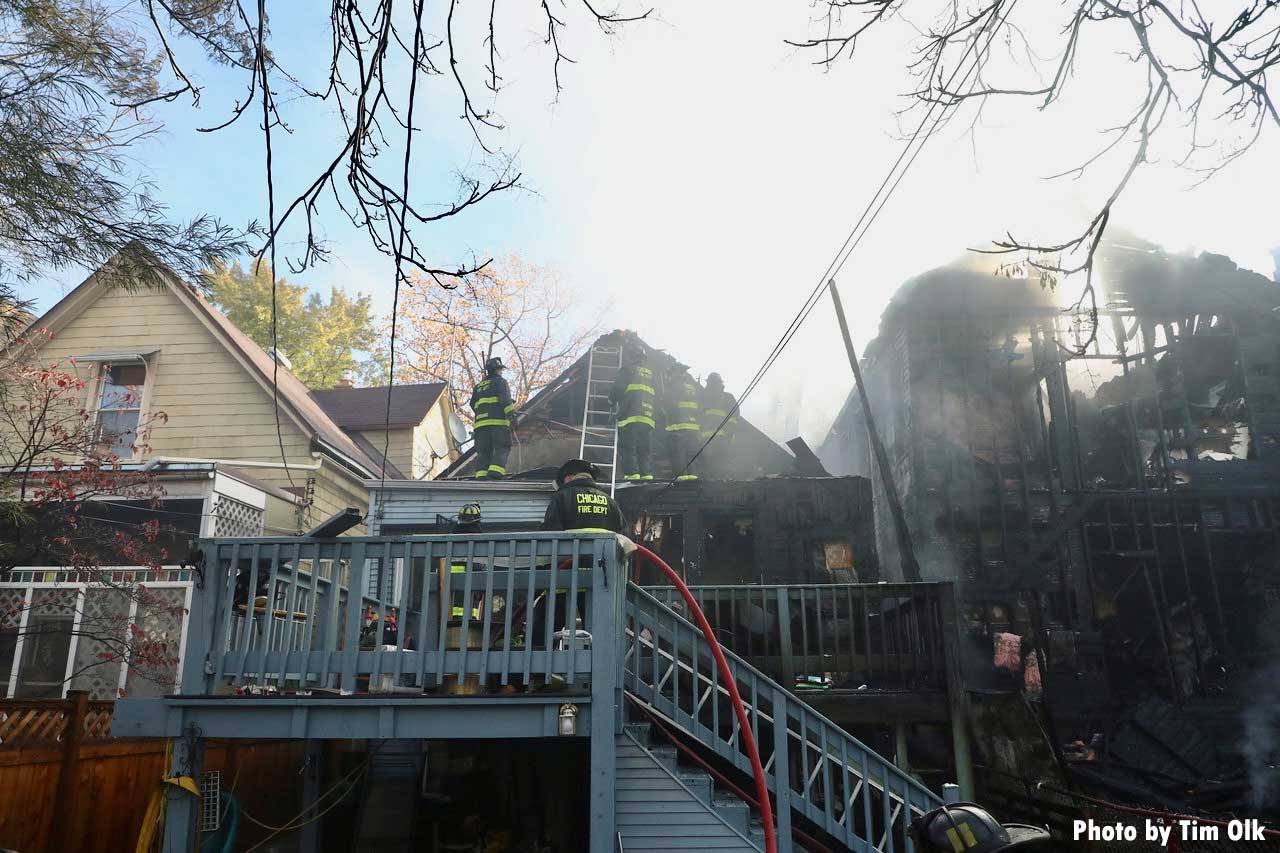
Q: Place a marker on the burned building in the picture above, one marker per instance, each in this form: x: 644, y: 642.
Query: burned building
x: 1102, y: 485
x: 805, y: 530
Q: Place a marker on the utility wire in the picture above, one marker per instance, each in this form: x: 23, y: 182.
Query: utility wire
x: 399, y: 275
x: 869, y: 214
x: 271, y: 235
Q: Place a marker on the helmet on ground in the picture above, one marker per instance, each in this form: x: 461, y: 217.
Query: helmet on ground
x: 714, y: 381
x: 493, y: 364
x: 969, y: 828
x: 469, y: 514
x: 577, y: 466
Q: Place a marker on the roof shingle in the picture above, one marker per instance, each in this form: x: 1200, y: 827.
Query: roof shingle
x: 366, y: 408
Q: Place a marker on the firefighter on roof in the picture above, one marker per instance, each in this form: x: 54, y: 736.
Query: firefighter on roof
x: 717, y: 405
x: 491, y: 401
x: 634, y: 394
x: 680, y: 406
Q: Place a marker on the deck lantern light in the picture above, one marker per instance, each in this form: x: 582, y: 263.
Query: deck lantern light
x: 568, y: 720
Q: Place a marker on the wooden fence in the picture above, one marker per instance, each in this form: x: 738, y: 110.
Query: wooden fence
x: 60, y: 792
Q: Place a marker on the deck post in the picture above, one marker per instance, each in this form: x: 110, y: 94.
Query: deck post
x: 784, y: 637
x: 781, y: 771
x: 182, y: 810
x: 63, y: 809
x: 312, y: 771
x: 957, y: 698
x: 900, y: 746
x: 606, y: 649
x: 201, y: 620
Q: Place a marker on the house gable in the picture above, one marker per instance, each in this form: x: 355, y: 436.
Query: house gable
x: 215, y: 401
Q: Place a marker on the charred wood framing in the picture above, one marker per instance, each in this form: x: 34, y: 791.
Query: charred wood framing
x: 1114, y: 506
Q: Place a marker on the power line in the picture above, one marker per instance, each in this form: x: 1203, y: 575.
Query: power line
x: 271, y: 236
x: 868, y: 217
x: 404, y: 230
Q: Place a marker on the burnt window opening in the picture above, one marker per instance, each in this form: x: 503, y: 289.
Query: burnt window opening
x: 833, y: 560
x: 728, y: 545
x: 664, y: 535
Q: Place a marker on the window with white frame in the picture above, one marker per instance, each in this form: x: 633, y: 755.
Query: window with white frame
x: 60, y: 636
x: 119, y: 406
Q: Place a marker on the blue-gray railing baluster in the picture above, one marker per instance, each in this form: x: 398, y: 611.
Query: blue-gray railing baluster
x: 508, y: 605
x: 805, y: 794
x: 805, y: 647
x: 222, y: 637
x: 846, y: 800
x: 446, y: 608
x: 571, y: 611
x: 386, y: 574
x: 817, y: 621
x: 906, y: 815
x: 247, y: 623
x: 268, y: 614
x: 866, y: 633
x: 404, y: 572
x: 886, y: 806
x: 290, y: 603
x: 826, y: 775
x: 313, y: 615
x: 715, y: 700
x: 530, y: 597
x: 754, y: 717
x: 550, y: 609
x: 867, y: 787
x: 425, y: 632
x: 356, y: 584
x: 336, y: 623
x: 464, y: 640
x: 487, y: 611
x: 898, y: 637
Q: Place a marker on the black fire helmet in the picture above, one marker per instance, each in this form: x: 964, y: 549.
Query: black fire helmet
x: 576, y: 466
x: 494, y: 364
x: 969, y: 828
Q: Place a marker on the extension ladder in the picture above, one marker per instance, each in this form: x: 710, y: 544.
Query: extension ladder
x: 599, y: 443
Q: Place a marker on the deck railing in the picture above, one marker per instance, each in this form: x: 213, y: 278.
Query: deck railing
x: 883, y: 636
x: 389, y: 614
x: 811, y: 765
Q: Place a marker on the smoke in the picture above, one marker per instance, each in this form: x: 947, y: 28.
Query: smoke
x: 1260, y: 747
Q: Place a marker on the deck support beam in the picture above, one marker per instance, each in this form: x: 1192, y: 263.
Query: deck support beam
x: 182, y: 809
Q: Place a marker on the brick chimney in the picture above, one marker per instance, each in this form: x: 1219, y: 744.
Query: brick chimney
x: 348, y: 380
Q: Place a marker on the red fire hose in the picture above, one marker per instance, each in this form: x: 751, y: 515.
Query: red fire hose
x: 731, y: 685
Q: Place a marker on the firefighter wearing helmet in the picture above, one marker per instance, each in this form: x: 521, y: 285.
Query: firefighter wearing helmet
x: 719, y: 419
x: 969, y: 828
x: 579, y: 504
x: 491, y: 401
x: 635, y: 395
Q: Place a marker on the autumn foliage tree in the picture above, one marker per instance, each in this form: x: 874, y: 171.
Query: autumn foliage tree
x: 56, y: 467
x: 512, y: 309
x: 322, y: 339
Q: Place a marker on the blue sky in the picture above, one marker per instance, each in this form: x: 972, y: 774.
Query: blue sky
x: 696, y: 175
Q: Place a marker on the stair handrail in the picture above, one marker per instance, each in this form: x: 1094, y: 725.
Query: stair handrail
x: 735, y: 699
x: 924, y: 792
